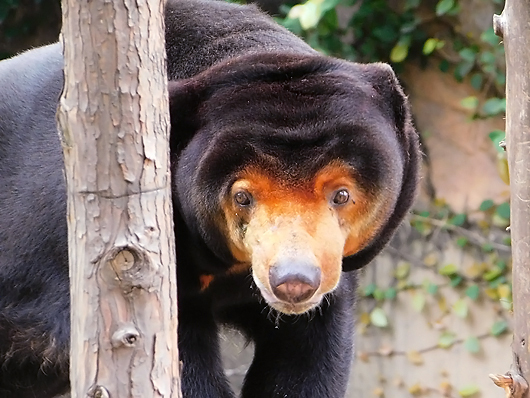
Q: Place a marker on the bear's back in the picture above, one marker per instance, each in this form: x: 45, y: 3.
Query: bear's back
x: 201, y: 33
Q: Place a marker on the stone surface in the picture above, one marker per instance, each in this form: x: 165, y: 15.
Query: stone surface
x: 461, y: 167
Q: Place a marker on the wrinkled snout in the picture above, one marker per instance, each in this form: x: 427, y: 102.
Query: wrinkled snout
x: 294, y: 281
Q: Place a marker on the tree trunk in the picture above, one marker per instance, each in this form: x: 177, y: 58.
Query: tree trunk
x: 114, y: 120
x: 512, y: 26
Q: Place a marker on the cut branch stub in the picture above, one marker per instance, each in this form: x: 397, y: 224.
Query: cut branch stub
x: 498, y: 25
x: 513, y: 383
x: 125, y: 336
x: 99, y: 392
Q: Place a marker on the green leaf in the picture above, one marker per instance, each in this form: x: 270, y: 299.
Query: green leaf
x: 418, y: 301
x: 468, y: 391
x: 506, y: 304
x: 496, y: 136
x: 486, y: 205
x: 400, y: 50
x: 503, y: 210
x: 472, y: 344
x: 500, y: 78
x: 462, y: 241
x: 448, y: 269
x: 378, y: 318
x: 369, y: 290
x: 476, y: 81
x: 430, y: 45
x: 499, y: 328
x: 488, y: 58
x: 390, y: 293
x: 379, y: 294
x: 455, y: 280
x: 458, y: 220
x: 473, y: 292
x: 444, y: 6
x: 467, y: 54
x: 420, y: 227
x: 493, y: 273
x: 494, y: 106
x: 329, y: 5
x: 462, y: 69
x: 308, y: 14
x: 446, y: 340
x: 460, y: 308
x: 490, y: 37
x: 444, y: 65
x: 495, y: 283
x: 385, y: 34
x: 432, y: 289
x: 402, y: 270
x: 487, y: 247
x: 470, y: 102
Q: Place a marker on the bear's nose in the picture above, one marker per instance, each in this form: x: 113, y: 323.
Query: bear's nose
x: 294, y: 281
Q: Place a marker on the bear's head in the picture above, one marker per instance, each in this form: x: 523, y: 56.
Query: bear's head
x: 298, y: 167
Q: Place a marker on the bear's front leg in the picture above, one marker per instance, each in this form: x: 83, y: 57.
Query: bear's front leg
x: 304, y: 356
x: 202, y: 372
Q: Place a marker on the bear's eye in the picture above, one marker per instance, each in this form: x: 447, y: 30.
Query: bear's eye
x: 341, y: 197
x: 243, y: 198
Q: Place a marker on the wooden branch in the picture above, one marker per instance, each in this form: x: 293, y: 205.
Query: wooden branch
x: 512, y: 26
x: 115, y: 133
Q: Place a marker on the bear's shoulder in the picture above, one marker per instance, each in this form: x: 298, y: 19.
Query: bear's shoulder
x: 202, y: 33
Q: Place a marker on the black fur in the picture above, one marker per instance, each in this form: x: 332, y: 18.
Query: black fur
x: 242, y: 90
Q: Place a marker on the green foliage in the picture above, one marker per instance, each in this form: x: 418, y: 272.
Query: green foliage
x: 468, y: 391
x: 5, y: 7
x: 472, y: 345
x: 378, y: 318
x: 377, y: 31
x: 27, y: 22
x: 448, y: 270
x: 487, y: 280
x: 432, y: 288
x: 473, y: 292
x: 446, y: 340
x: 499, y: 328
x: 486, y: 205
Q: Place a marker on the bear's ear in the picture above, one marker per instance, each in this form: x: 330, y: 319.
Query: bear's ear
x: 184, y: 101
x: 395, y: 106
x: 383, y: 79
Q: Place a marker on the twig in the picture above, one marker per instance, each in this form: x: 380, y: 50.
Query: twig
x: 472, y: 236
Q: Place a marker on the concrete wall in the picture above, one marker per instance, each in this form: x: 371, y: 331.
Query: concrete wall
x: 404, y: 360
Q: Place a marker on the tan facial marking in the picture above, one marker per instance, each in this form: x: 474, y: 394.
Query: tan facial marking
x: 238, y: 268
x: 205, y: 281
x: 287, y: 221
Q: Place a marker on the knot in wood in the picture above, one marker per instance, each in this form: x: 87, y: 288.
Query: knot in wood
x: 128, y: 267
x: 100, y: 392
x: 124, y: 260
x: 125, y: 336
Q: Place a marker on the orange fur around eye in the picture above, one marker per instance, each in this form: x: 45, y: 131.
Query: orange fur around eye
x: 300, y: 218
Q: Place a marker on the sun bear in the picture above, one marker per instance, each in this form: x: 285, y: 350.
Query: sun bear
x: 290, y: 171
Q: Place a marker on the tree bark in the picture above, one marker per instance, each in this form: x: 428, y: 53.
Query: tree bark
x: 114, y: 123
x: 512, y: 26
